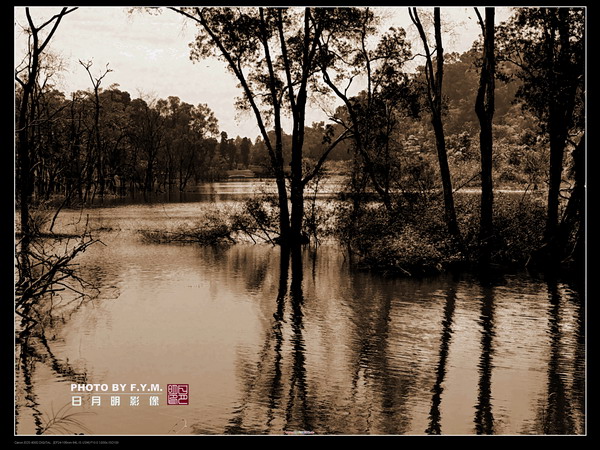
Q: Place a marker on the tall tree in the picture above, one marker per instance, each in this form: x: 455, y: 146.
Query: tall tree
x: 113, y: 128
x: 97, y: 148
x: 547, y: 47
x: 177, y: 116
x: 484, y: 107
x: 435, y: 101
x: 272, y: 52
x: 245, y: 146
x: 371, y: 116
x: 223, y: 144
x: 40, y: 271
x: 146, y: 134
x: 26, y: 74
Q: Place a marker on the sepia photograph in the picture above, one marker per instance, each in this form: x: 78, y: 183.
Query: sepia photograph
x: 299, y: 221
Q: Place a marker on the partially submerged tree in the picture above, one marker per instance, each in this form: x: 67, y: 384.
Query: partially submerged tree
x: 434, y: 82
x: 484, y: 107
x: 41, y: 270
x: 273, y: 54
x: 547, y: 47
x: 27, y: 75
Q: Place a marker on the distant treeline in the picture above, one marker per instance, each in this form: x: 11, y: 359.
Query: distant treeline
x: 104, y: 142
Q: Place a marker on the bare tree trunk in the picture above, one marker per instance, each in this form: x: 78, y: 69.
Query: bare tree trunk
x: 434, y: 92
x: 25, y: 180
x: 560, y: 113
x: 573, y: 220
x: 484, y: 107
x: 556, y: 166
x: 98, y: 156
x: 298, y: 106
x: 449, y: 208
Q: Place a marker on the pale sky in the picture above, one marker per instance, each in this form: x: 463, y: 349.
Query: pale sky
x: 149, y: 54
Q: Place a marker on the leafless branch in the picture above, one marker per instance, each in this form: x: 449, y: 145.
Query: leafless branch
x: 480, y: 20
x: 95, y: 81
x: 53, y: 273
x: 324, y: 156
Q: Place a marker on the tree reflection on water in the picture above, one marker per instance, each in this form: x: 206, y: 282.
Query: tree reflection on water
x: 326, y: 350
x: 484, y: 417
x: 383, y: 365
x: 266, y: 381
x: 32, y: 350
x: 556, y: 414
x: 434, y: 414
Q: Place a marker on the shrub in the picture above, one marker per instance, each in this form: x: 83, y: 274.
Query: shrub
x: 396, y: 243
x: 415, y: 241
x: 519, y: 226
x: 409, y: 252
x: 258, y: 218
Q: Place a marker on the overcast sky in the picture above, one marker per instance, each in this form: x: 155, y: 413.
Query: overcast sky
x: 149, y: 55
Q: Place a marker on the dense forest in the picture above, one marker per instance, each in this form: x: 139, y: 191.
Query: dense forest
x: 504, y: 120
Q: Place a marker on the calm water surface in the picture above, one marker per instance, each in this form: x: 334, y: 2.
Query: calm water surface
x: 271, y: 343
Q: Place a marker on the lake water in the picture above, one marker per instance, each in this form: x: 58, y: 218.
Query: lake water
x: 274, y: 344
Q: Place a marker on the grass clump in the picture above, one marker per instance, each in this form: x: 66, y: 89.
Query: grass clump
x: 255, y: 219
x: 214, y: 229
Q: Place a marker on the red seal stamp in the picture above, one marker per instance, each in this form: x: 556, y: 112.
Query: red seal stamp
x: 178, y: 394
